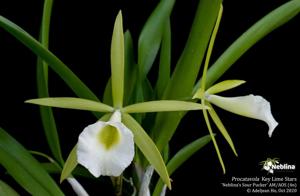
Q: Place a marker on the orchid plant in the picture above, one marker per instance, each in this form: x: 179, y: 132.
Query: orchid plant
x: 135, y: 122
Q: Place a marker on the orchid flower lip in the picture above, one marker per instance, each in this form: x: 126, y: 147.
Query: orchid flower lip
x: 106, y: 148
x: 252, y: 106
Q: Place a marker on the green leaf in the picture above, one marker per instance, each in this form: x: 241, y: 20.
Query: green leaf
x: 107, y: 95
x: 260, y: 29
x: 51, y: 168
x: 26, y: 170
x: 151, y: 35
x: 50, y: 129
x: 72, y: 103
x: 143, y: 92
x: 6, y: 190
x: 130, y: 69
x: 163, y: 106
x: 148, y: 91
x: 57, y: 65
x: 224, y: 86
x: 70, y: 164
x: 180, y: 157
x: 46, y: 113
x: 117, y: 62
x: 164, y: 61
x: 147, y: 147
x: 45, y: 25
x: 186, y: 70
x: 185, y: 153
x: 51, y: 132
x: 221, y: 127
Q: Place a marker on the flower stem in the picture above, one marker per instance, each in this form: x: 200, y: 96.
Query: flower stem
x: 118, y: 184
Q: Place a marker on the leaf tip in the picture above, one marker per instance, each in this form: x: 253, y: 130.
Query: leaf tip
x: 224, y: 170
x: 168, y: 184
x: 61, y: 179
x: 28, y: 101
x: 119, y: 16
x: 236, y: 154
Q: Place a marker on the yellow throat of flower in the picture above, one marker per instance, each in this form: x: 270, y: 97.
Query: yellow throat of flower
x: 109, y: 136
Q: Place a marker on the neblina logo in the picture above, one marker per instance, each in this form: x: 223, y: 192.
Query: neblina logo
x: 272, y: 165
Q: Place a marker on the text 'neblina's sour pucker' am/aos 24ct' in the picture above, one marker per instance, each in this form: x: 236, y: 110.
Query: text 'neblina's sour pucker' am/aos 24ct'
x: 146, y: 97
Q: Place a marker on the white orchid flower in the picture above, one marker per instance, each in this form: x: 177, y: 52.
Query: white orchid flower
x: 250, y: 106
x: 106, y: 148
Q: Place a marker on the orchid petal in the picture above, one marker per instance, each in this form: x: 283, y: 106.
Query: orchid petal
x: 224, y: 86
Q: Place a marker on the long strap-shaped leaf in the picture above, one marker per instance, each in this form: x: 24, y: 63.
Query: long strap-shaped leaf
x: 72, y: 103
x: 164, y: 61
x: 26, y: 170
x: 260, y: 29
x: 6, y: 190
x: 148, y: 148
x: 180, y: 157
x: 151, y: 35
x: 47, y: 116
x: 148, y: 45
x: 187, y: 68
x: 130, y: 69
x: 163, y: 106
x: 55, y: 63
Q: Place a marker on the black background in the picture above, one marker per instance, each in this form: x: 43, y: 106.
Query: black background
x: 80, y: 37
